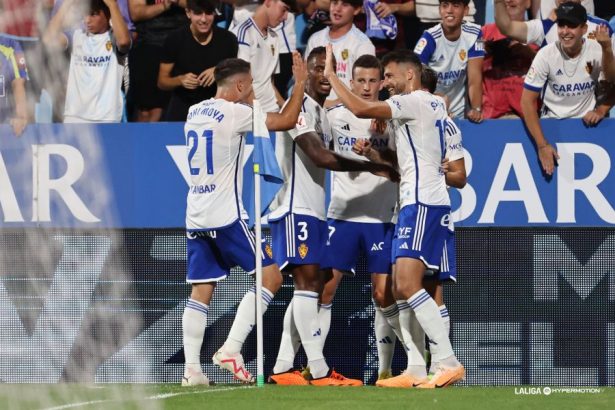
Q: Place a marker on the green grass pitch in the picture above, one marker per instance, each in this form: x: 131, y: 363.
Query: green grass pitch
x: 232, y: 397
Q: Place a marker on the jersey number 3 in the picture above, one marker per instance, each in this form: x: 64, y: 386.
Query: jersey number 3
x: 208, y: 135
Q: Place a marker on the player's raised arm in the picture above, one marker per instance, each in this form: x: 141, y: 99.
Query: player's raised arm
x: 287, y: 118
x: 358, y: 106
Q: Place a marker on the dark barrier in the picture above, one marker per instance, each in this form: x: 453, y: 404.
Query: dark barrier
x: 531, y: 306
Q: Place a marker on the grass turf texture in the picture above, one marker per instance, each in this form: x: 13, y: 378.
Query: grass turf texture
x: 116, y: 397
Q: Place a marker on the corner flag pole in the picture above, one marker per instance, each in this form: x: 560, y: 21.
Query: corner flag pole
x: 260, y: 371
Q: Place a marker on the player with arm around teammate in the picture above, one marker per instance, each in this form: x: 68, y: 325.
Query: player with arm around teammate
x: 421, y: 230
x: 218, y: 237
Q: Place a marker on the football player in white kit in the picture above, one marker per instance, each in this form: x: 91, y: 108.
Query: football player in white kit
x: 567, y: 73
x: 349, y: 43
x: 360, y: 214
x: 454, y: 49
x: 218, y: 237
x: 419, y: 122
x: 299, y: 229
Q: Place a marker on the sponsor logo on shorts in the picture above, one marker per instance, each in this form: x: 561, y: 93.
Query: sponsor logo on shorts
x: 303, y: 250
x: 377, y: 246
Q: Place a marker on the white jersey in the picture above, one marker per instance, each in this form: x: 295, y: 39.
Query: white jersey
x: 303, y: 191
x: 93, y: 93
x: 286, y: 35
x: 547, y: 6
x: 215, y: 141
x: 346, y: 49
x: 570, y: 83
x: 449, y: 59
x: 543, y: 32
x: 358, y: 196
x: 420, y: 123
x: 262, y: 52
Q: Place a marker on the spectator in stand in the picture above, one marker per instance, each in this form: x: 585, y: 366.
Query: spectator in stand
x: 189, y: 57
x: 537, y: 31
x: 454, y: 49
x: 96, y: 65
x: 382, y: 10
x: 568, y: 71
x: 154, y: 20
x: 427, y: 15
x: 506, y: 63
x: 13, y: 76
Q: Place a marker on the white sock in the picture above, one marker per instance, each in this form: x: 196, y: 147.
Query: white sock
x: 194, y: 321
x: 428, y: 315
x: 305, y: 315
x: 245, y: 319
x: 447, y: 326
x: 289, y: 344
x: 385, y: 339
x: 324, y: 318
x: 414, y: 346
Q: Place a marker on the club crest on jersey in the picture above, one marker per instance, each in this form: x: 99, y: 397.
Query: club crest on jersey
x: 463, y: 54
x: 108, y: 46
x: 589, y: 67
x: 303, y: 250
x: 345, y: 54
x: 268, y: 250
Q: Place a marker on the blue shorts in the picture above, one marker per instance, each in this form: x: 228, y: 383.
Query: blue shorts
x: 212, y: 254
x: 448, y: 264
x: 347, y: 240
x: 298, y: 240
x: 421, y: 233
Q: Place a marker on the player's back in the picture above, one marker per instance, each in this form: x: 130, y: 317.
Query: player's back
x: 215, y: 139
x: 420, y: 121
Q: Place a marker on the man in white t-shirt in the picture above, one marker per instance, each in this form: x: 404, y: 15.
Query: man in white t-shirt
x: 454, y: 49
x: 540, y: 31
x: 218, y: 237
x: 567, y: 71
x: 259, y: 45
x: 93, y: 93
x: 348, y: 42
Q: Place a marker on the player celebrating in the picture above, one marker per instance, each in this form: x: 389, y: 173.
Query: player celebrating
x: 299, y: 230
x: 218, y: 237
x: 419, y: 121
x: 360, y: 214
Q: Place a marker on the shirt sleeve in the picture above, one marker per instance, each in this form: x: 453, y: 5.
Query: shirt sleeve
x: 304, y: 125
x: 242, y: 113
x: 537, y: 30
x: 404, y: 107
x: 478, y: 48
x: 538, y: 73
x: 452, y: 136
x: 425, y: 47
x: 366, y: 47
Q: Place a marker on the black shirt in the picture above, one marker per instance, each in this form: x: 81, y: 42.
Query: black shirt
x: 188, y: 56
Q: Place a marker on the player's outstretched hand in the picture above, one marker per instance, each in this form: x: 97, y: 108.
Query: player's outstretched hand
x: 602, y: 37
x: 378, y: 126
x: 299, y: 68
x: 206, y: 78
x: 362, y: 146
x: 592, y: 118
x: 547, y: 155
x: 329, y: 68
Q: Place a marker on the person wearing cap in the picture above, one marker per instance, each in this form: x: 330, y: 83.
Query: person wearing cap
x: 567, y: 71
x: 454, y: 49
x: 189, y: 56
x: 349, y: 43
x: 540, y: 31
x: 259, y: 45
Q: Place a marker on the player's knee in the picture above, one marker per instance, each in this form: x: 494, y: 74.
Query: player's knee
x: 378, y: 296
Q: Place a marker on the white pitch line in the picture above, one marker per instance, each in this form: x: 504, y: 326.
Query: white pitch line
x: 155, y: 397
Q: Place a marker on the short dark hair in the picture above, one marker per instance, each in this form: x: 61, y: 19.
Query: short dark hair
x: 429, y: 79
x: 99, y: 5
x: 355, y: 3
x: 403, y: 56
x: 367, y: 61
x: 292, y: 4
x: 465, y: 2
x: 317, y: 51
x: 229, y: 67
x: 200, y: 6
